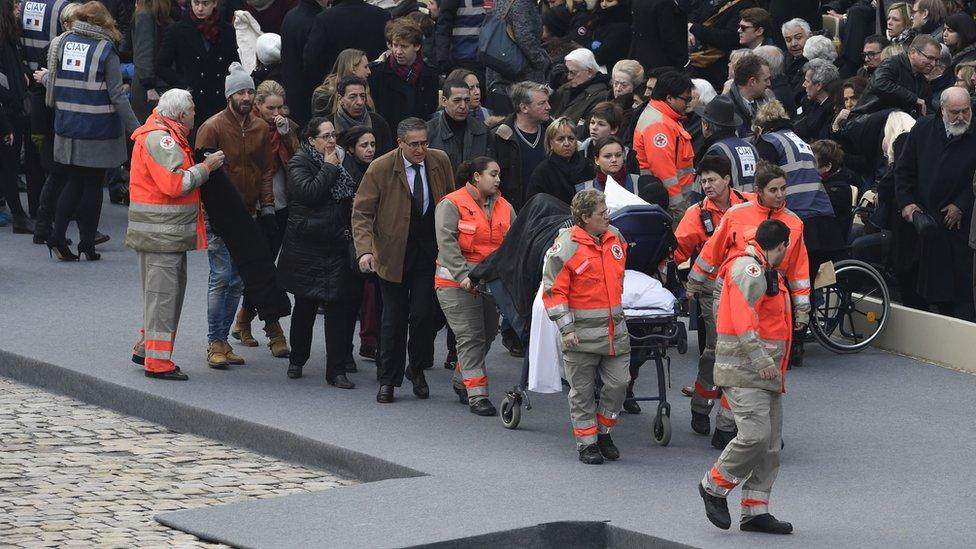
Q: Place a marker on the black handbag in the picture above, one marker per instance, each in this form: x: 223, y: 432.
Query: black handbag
x: 496, y: 48
x: 925, y: 225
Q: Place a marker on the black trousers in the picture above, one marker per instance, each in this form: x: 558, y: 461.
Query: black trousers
x: 9, y: 168
x: 411, y: 304
x: 274, y: 244
x: 340, y: 324
x: 48, y: 205
x: 81, y: 198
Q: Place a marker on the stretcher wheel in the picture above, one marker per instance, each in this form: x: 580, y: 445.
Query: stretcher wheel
x: 662, y: 429
x: 682, y: 339
x: 511, y: 412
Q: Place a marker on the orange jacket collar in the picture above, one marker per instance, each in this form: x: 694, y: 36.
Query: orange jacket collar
x: 665, y: 109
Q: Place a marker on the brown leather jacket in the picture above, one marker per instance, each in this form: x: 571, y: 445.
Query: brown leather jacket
x: 249, y: 163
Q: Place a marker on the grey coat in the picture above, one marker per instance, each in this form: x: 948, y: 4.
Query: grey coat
x: 145, y: 41
x: 102, y: 153
x: 526, y: 23
x: 475, y: 139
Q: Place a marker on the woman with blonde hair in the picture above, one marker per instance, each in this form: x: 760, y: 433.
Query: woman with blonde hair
x: 351, y: 62
x: 899, y: 24
x: 269, y: 103
x: 564, y: 166
x: 92, y: 121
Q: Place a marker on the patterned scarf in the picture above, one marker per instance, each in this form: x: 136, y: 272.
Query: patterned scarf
x: 408, y: 73
x: 208, y: 27
x: 344, y: 187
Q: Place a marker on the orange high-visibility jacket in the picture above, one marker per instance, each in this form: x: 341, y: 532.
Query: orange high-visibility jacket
x: 582, y: 285
x: 164, y: 213
x: 476, y: 234
x: 738, y: 228
x: 754, y: 329
x: 664, y: 149
x: 691, y: 235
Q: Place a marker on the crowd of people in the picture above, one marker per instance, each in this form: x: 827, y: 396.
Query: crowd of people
x: 380, y: 152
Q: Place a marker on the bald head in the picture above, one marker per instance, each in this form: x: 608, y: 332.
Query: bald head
x: 957, y: 111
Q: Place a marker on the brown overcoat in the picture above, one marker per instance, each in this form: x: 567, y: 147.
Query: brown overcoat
x: 381, y: 209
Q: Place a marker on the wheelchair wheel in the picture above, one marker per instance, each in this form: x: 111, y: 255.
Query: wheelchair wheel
x: 849, y: 314
x: 661, y: 429
x: 511, y: 412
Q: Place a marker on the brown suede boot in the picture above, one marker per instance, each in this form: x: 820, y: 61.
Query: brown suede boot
x: 242, y: 328
x: 215, y: 355
x: 277, y: 343
x: 232, y: 357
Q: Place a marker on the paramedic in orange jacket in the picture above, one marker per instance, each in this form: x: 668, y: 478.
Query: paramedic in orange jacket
x: 736, y: 230
x: 754, y: 327
x: 695, y: 228
x: 470, y: 224
x: 582, y: 285
x: 662, y: 145
x: 165, y: 221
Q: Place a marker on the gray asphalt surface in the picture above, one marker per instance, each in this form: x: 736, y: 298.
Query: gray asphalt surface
x: 879, y: 448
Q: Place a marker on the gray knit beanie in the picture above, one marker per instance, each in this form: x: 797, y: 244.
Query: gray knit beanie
x: 237, y: 80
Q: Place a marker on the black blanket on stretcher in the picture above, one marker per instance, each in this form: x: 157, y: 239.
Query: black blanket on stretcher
x: 518, y: 261
x: 248, y: 247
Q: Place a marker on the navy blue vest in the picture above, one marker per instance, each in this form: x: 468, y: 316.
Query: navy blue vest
x: 84, y: 109
x: 742, y: 156
x: 805, y: 193
x: 39, y: 22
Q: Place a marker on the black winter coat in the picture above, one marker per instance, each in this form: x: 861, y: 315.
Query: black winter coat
x: 504, y: 143
x: 295, y: 29
x: 576, y: 103
x: 347, y: 24
x: 315, y: 261
x: 183, y: 61
x: 394, y: 99
x: 558, y: 177
x: 13, y: 96
x: 721, y: 34
x: 609, y: 34
x: 894, y: 86
x: 934, y: 171
x: 658, y: 35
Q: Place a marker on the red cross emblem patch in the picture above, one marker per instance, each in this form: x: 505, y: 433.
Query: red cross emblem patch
x: 167, y: 142
x: 754, y: 271
x: 660, y: 141
x: 617, y: 251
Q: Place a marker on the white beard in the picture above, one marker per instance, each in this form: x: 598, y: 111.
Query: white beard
x: 956, y: 130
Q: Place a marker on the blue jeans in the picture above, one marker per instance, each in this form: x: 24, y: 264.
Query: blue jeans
x: 224, y: 289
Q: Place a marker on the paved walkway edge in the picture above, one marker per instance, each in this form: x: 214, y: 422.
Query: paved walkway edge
x: 200, y: 421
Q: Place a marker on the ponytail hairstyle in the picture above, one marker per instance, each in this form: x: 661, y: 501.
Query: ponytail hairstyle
x: 467, y: 169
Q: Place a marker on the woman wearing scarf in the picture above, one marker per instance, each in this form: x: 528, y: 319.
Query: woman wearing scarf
x: 314, y: 264
x: 195, y: 54
x: 610, y: 161
x: 92, y: 121
x: 564, y: 167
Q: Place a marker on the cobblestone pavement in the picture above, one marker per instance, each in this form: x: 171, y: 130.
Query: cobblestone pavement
x: 76, y: 475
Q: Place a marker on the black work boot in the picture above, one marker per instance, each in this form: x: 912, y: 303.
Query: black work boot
x: 766, y: 524
x: 796, y: 354
x: 721, y: 439
x: 716, y: 509
x: 590, y: 455
x: 461, y: 392
x: 482, y: 407
x: 701, y: 423
x: 607, y: 447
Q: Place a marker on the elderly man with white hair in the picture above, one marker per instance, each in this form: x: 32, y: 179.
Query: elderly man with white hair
x: 165, y: 221
x: 933, y: 177
x: 820, y: 47
x: 816, y: 110
x: 795, y: 34
x: 586, y: 86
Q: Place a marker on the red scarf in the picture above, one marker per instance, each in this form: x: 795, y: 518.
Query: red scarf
x: 620, y: 177
x: 278, y: 147
x: 208, y: 27
x: 408, y: 73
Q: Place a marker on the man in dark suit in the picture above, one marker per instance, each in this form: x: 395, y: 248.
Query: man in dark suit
x: 393, y: 232
x: 347, y: 24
